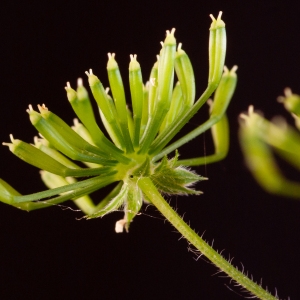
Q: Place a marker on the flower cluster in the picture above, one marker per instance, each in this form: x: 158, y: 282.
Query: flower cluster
x: 136, y: 143
x: 260, y: 137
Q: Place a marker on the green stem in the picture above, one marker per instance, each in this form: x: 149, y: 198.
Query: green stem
x: 157, y: 200
x: 163, y: 139
x: 188, y: 137
x: 199, y: 161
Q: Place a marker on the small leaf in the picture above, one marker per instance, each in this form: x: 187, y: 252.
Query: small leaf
x: 143, y: 170
x: 113, y: 205
x: 133, y: 204
x: 174, y: 180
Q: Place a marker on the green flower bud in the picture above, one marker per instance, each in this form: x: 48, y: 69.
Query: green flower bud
x: 41, y: 145
x: 224, y: 92
x: 81, y: 105
x: 81, y: 130
x: 217, y: 49
x: 291, y: 101
x: 152, y: 86
x: 165, y: 80
x: 175, y: 109
x: 113, y: 127
x: 60, y: 139
x: 137, y: 96
x: 108, y: 110
x: 117, y: 88
x: 145, y: 114
x: 165, y: 76
x: 35, y: 157
x: 100, y: 95
x: 43, y: 161
x: 185, y: 74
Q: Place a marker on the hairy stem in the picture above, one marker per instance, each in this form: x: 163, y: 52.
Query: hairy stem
x: 157, y: 200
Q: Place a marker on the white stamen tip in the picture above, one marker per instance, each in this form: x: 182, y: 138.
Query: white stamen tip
x: 152, y: 81
x: 133, y: 57
x: 111, y: 55
x: 280, y: 99
x: 250, y: 113
x: 42, y: 107
x: 79, y: 82
x: 209, y: 102
x: 68, y: 85
x: 287, y: 92
x: 35, y: 140
x: 29, y: 108
x: 234, y: 69
x: 251, y: 109
x: 243, y: 116
x: 89, y: 73
x: 75, y: 121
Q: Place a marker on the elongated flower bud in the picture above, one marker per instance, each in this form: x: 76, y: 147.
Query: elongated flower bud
x: 185, y: 74
x: 81, y: 105
x: 117, y: 88
x: 137, y: 96
x: 100, y: 95
x: 224, y: 92
x: 177, y: 105
x: 165, y: 76
x: 107, y: 108
x: 153, y: 88
x: 41, y: 160
x: 217, y: 49
x: 291, y: 101
x: 165, y: 79
x: 68, y: 133
x: 35, y: 157
x: 81, y: 130
x: 145, y: 114
x: 54, y: 136
x: 41, y: 145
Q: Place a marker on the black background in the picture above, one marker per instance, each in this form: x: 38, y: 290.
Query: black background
x: 49, y: 254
